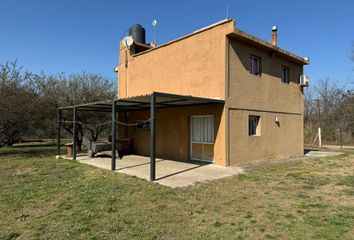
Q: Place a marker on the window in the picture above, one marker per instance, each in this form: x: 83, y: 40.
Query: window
x: 202, y: 129
x: 142, y: 126
x: 255, y: 67
x: 285, y: 74
x: 254, y: 126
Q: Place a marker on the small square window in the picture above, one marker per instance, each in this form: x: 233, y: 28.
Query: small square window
x: 254, y: 126
x: 142, y: 126
x: 285, y: 74
x: 255, y: 66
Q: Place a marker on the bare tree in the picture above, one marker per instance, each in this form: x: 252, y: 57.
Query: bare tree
x: 330, y: 97
x: 28, y: 103
x: 83, y: 88
x: 17, y: 103
x: 331, y: 108
x: 310, y: 114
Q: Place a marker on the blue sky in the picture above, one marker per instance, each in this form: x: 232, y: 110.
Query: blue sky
x: 71, y: 36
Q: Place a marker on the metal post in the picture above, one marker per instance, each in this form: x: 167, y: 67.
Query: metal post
x: 341, y: 136
x: 319, y: 123
x: 74, y: 133
x: 341, y: 124
x: 319, y: 113
x: 113, y: 163
x: 58, y: 132
x: 153, y: 137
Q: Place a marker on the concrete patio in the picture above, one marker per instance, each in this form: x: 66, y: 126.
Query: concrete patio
x: 169, y: 173
x: 181, y: 174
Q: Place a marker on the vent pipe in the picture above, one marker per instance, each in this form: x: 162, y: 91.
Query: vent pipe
x: 274, y: 35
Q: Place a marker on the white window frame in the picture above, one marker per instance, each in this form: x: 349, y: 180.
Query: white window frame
x: 198, y: 142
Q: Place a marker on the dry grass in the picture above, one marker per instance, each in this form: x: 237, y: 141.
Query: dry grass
x: 44, y: 198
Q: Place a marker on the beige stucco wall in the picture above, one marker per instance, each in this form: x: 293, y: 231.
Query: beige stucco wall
x: 265, y: 92
x: 275, y: 141
x: 267, y: 97
x: 206, y: 65
x: 194, y: 65
x: 173, y: 132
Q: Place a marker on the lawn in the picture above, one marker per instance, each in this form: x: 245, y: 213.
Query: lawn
x: 45, y: 198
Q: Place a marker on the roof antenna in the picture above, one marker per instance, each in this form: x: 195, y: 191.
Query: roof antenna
x: 227, y: 8
x: 154, y: 23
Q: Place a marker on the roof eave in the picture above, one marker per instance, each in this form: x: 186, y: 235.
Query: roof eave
x: 243, y: 36
x: 185, y: 36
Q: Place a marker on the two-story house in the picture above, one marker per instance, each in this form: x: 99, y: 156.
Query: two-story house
x: 260, y: 119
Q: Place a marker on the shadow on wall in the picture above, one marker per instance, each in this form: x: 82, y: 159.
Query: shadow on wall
x: 172, y: 132
x: 269, y: 63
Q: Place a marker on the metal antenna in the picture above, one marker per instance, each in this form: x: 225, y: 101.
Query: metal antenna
x: 227, y: 8
x: 154, y: 23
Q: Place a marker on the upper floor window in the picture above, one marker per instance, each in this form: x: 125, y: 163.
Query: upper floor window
x: 255, y: 67
x: 285, y: 74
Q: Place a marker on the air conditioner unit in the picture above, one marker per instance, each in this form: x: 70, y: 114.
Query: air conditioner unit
x: 304, y: 80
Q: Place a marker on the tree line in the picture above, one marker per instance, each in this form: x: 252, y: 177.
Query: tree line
x: 29, y: 102
x: 330, y: 107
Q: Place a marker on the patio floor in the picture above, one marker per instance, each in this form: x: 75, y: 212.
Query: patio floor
x: 174, y: 174
x: 168, y: 172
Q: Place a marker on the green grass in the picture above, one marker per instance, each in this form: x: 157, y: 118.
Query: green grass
x: 45, y: 198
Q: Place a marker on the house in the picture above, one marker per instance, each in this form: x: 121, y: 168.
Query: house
x: 257, y: 114
x: 217, y: 95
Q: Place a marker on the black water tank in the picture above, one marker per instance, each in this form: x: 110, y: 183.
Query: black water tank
x: 138, y: 33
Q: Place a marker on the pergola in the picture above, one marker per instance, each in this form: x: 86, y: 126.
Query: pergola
x: 144, y: 102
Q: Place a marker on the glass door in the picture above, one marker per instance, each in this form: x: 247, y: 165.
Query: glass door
x: 202, y: 138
